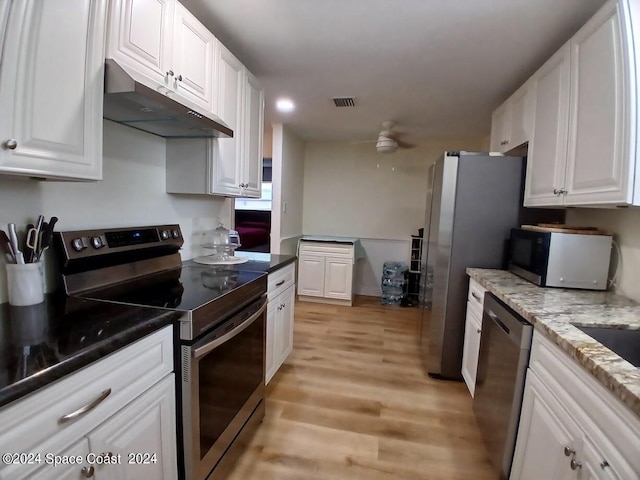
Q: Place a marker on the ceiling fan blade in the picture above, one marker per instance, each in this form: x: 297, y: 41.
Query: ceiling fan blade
x: 402, y: 144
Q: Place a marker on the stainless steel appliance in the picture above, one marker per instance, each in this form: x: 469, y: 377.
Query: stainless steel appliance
x: 558, y: 259
x: 473, y: 200
x: 134, y: 100
x: 505, y: 343
x: 221, y: 346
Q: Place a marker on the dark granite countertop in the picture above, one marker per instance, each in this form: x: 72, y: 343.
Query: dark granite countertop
x: 257, y: 262
x: 43, y: 343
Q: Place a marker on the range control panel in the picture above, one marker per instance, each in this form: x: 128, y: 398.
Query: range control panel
x: 92, y: 243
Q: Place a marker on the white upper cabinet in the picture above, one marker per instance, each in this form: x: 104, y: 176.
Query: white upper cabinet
x: 141, y: 36
x: 584, y: 148
x: 227, y: 169
x: 512, y: 122
x: 252, y: 137
x: 598, y: 156
x: 193, y: 58
x: 52, y: 86
x: 164, y: 42
x: 547, y: 150
x: 232, y: 166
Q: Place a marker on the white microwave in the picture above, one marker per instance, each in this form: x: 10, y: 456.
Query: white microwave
x: 565, y: 260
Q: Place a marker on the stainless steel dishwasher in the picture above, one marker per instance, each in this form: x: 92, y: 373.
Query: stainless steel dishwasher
x: 505, y: 343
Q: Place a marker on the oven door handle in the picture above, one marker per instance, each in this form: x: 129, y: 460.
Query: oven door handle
x: 201, y: 351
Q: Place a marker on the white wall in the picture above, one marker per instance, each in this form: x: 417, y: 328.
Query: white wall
x: 131, y: 193
x: 352, y: 190
x: 288, y: 185
x: 625, y: 224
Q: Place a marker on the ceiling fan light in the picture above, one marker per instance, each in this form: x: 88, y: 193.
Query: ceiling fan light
x: 386, y: 144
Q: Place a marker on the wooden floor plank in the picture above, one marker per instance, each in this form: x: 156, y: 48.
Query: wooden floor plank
x: 352, y: 401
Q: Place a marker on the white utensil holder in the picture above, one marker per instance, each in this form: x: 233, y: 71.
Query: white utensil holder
x: 25, y: 283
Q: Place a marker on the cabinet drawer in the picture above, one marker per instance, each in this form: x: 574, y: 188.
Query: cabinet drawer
x: 35, y: 420
x: 280, y: 280
x: 476, y: 295
x: 332, y: 249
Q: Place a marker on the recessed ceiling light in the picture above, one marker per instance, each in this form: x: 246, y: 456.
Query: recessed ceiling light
x: 285, y: 105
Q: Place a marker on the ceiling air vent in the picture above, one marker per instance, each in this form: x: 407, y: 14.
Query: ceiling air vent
x: 344, y: 101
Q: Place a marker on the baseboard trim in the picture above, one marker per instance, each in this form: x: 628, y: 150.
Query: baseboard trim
x: 329, y: 301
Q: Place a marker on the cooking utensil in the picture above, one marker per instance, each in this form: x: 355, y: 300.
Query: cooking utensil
x: 13, y: 237
x: 5, y: 246
x: 31, y: 243
x: 46, y: 236
x: 34, y: 246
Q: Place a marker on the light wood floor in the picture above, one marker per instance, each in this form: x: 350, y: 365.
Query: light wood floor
x: 353, y: 402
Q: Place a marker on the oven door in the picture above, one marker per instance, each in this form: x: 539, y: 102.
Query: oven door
x: 222, y: 386
x: 529, y: 254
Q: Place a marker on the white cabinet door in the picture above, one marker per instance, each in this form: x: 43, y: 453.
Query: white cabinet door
x: 80, y: 471
x: 52, y: 87
x: 141, y: 36
x: 338, y: 278
x: 547, y: 151
x: 499, y: 128
x: 226, y: 169
x: 252, y: 134
x: 193, y: 58
x: 597, y: 160
x: 597, y: 466
x: 522, y: 115
x: 311, y: 275
x: 471, y: 348
x: 147, y: 426
x: 285, y: 324
x: 271, y: 365
x: 545, y: 430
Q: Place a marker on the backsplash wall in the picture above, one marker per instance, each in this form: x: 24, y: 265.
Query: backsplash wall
x: 131, y: 193
x: 625, y: 224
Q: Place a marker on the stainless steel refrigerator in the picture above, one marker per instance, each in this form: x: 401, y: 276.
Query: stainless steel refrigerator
x: 473, y: 201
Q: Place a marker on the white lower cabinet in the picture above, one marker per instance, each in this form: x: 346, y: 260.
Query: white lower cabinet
x: 571, y: 427
x: 141, y: 436
x: 80, y: 471
x: 123, y: 404
x: 280, y: 319
x: 471, y: 348
x: 326, y: 272
x: 546, y: 430
x: 472, y: 334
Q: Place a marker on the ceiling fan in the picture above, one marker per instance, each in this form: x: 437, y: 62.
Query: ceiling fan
x: 388, y: 140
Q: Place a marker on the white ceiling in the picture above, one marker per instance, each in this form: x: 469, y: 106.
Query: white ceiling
x: 437, y: 67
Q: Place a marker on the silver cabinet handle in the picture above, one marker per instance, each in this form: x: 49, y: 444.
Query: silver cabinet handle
x: 568, y: 451
x: 475, y: 295
x: 575, y: 465
x: 86, y: 409
x: 478, y: 330
x: 604, y: 464
x: 179, y: 78
x: 88, y: 472
x: 170, y: 73
x: 556, y: 191
x: 11, y: 144
x: 281, y: 282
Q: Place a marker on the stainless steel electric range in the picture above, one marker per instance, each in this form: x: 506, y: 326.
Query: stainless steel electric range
x: 221, y: 341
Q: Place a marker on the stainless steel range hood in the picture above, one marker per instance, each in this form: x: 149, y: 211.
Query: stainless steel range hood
x: 132, y: 99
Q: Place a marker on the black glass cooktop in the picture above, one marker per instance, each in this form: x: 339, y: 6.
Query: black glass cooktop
x: 183, y: 289
x: 42, y: 343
